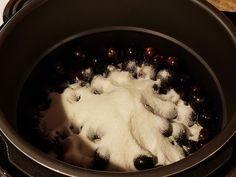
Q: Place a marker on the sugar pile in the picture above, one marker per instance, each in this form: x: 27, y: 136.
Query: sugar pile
x: 120, y: 116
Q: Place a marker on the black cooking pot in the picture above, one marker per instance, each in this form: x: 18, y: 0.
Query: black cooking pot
x: 188, y: 28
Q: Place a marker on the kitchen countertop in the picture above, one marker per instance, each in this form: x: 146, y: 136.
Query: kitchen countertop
x: 224, y: 5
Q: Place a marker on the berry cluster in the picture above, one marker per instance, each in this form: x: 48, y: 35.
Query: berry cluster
x: 82, y: 66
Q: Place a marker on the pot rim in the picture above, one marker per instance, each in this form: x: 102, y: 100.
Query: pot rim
x: 60, y: 167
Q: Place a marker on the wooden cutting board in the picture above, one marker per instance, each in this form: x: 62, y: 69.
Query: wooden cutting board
x: 224, y: 5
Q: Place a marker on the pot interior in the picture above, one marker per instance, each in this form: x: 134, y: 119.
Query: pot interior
x: 93, y: 43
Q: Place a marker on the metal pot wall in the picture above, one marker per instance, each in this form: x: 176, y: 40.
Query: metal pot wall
x: 45, y: 23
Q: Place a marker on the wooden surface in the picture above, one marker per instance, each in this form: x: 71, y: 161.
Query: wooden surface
x: 224, y: 5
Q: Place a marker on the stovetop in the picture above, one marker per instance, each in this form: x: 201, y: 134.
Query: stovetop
x: 226, y: 158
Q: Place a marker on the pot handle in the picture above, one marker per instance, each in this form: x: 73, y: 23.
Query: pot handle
x: 12, y: 7
x: 23, y: 163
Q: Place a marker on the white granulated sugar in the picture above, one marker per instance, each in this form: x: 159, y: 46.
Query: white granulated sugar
x: 131, y: 65
x: 195, y: 131
x: 163, y: 75
x: 170, y: 96
x: 125, y: 113
x: 145, y: 72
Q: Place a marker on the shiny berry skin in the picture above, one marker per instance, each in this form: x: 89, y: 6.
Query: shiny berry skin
x: 172, y: 62
x: 181, y: 86
x: 191, y: 146
x: 197, y: 100
x: 195, y: 89
x: 204, y: 134
x: 97, y: 65
x: 143, y: 162
x: 204, y: 119
x: 131, y: 53
x: 149, y: 53
x: 95, y: 61
x: 155, y: 87
x: 208, y: 120
x: 79, y: 55
x: 112, y: 54
x: 86, y: 74
x: 58, y: 68
x: 182, y: 139
x: 166, y: 85
x: 184, y: 79
x: 164, y: 88
x: 194, y: 117
x: 157, y: 61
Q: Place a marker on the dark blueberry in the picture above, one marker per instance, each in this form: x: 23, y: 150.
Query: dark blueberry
x: 195, y: 89
x: 112, y: 54
x: 100, y: 162
x: 155, y: 87
x: 149, y: 53
x: 182, y: 139
x: 131, y: 53
x: 191, y: 146
x: 143, y: 162
x: 158, y: 61
x: 201, y: 143
x: 95, y: 61
x: 184, y: 95
x: 58, y: 68
x: 197, y: 100
x: 79, y: 55
x: 168, y: 132
x: 181, y: 85
x: 71, y: 77
x: 194, y: 117
x: 184, y: 80
x: 77, y: 98
x: 86, y: 74
x: 98, y: 65
x: 205, y: 118
x: 204, y: 134
x: 172, y: 62
x: 165, y: 87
